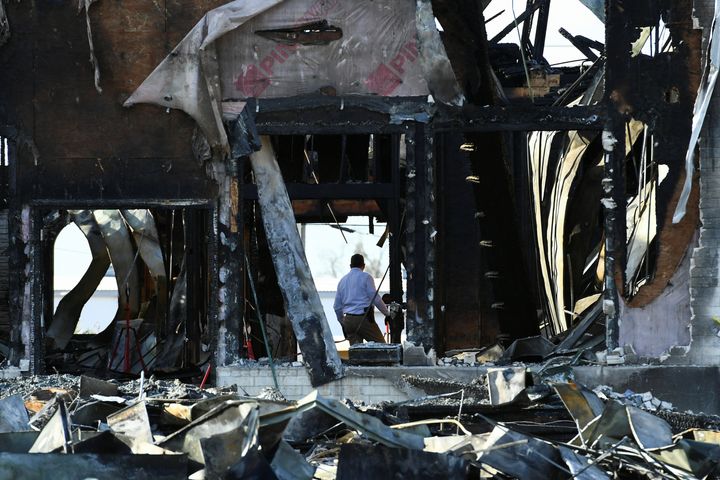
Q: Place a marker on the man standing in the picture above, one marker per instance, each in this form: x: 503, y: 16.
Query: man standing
x: 354, y: 304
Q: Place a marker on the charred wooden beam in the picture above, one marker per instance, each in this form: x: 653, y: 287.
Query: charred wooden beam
x: 230, y: 270
x: 302, y: 301
x: 541, y: 32
x: 341, y: 208
x: 420, y: 220
x: 619, y: 39
x: 348, y: 115
x: 472, y: 118
x: 528, y: 13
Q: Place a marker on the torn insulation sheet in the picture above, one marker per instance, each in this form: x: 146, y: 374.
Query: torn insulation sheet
x: 276, y: 48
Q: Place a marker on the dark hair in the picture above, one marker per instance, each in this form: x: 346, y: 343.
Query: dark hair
x: 357, y: 261
x: 387, y: 298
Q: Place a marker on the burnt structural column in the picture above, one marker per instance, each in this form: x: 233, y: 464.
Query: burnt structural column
x: 25, y: 262
x: 619, y: 38
x: 230, y: 266
x: 420, y: 237
x: 395, y: 221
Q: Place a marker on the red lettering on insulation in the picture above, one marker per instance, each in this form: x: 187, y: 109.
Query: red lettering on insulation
x: 385, y: 80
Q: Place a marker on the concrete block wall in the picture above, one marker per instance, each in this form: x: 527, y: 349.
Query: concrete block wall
x: 9, y: 373
x: 295, y: 384
x: 705, y: 264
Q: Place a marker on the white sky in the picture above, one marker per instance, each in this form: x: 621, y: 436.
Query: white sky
x: 568, y: 14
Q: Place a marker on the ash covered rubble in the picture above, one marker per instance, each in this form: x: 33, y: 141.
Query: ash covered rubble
x: 78, y: 427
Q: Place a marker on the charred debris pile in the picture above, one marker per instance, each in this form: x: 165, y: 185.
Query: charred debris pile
x: 151, y: 428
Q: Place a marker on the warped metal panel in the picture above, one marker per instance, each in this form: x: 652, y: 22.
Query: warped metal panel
x: 68, y: 312
x: 122, y: 255
x: 145, y: 233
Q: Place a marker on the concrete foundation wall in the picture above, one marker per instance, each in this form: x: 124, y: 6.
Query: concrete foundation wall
x: 662, y: 328
x: 366, y: 384
x: 686, y: 387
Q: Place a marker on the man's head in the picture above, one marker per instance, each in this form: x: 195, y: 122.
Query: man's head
x: 357, y: 261
x: 387, y: 298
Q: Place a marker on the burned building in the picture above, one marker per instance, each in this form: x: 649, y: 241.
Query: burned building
x: 520, y: 198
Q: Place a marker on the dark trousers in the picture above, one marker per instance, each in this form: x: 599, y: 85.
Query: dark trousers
x: 360, y: 327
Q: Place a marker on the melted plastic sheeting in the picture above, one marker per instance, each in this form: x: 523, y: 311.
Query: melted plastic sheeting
x: 702, y: 103
x: 386, y: 48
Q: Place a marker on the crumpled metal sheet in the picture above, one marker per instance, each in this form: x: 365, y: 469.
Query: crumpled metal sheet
x: 13, y: 415
x: 650, y: 432
x: 642, y: 222
x: 580, y: 466
x: 67, y: 314
x: 388, y: 48
x: 56, y: 435
x: 302, y: 302
x: 224, y: 419
x: 702, y: 103
x: 288, y: 464
x: 122, y: 255
x: 145, y: 233
x: 551, y: 192
x: 584, y: 406
x: 369, y: 426
x: 520, y: 456
x: 550, y: 234
x: 134, y: 423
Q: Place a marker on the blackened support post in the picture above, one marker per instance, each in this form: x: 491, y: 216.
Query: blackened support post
x: 420, y: 235
x: 396, y: 222
x: 26, y: 300
x: 614, y: 145
x: 231, y: 269
x: 302, y: 302
x: 541, y: 31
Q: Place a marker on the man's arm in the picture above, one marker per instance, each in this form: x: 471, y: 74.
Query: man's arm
x: 377, y: 300
x: 337, y: 306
